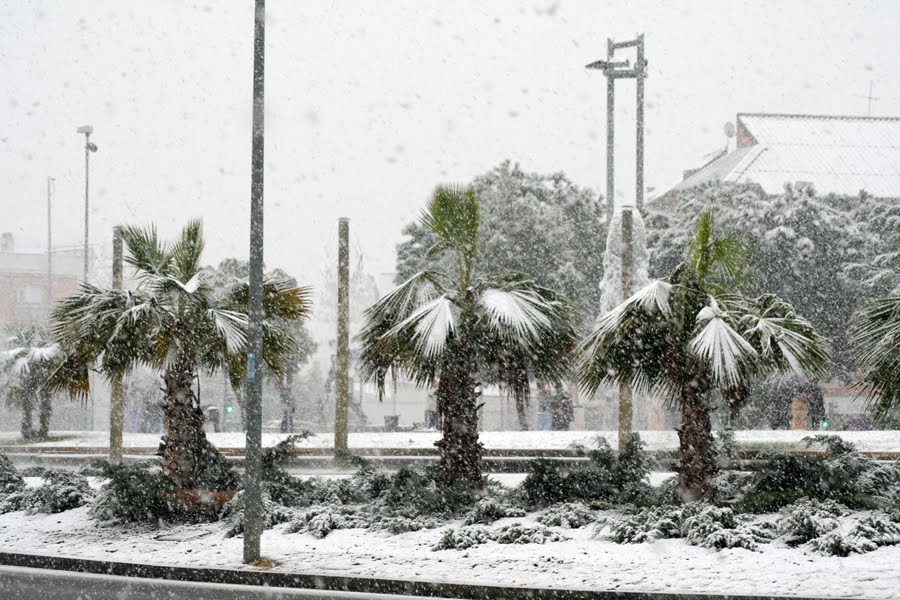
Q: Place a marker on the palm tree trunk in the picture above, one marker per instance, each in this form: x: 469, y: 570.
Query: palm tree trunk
x: 184, y: 446
x: 27, y: 423
x: 46, y: 408
x: 697, y: 454
x: 285, y: 387
x: 521, y: 404
x: 460, y: 450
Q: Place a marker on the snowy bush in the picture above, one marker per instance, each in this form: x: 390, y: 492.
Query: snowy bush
x: 836, y: 543
x: 608, y: 478
x: 745, y: 535
x: 700, y: 524
x: 462, y: 538
x: 570, y: 515
x: 397, y: 525
x: 323, y: 519
x: 233, y: 514
x: 467, y: 536
x: 487, y: 510
x: 543, y: 485
x: 867, y: 535
x: 697, y: 525
x: 14, y: 501
x: 520, y: 533
x: 59, y: 491
x: 843, y: 475
x: 412, y: 494
x: 10, y: 480
x: 646, y: 525
x: 731, y: 486
x: 137, y: 492
x: 807, y: 519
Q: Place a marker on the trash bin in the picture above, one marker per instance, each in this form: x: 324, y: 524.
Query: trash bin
x: 544, y: 421
x: 391, y: 422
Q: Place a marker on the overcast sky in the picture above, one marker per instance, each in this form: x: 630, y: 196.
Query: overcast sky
x: 369, y: 104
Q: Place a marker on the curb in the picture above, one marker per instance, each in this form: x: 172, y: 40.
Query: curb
x: 369, y: 585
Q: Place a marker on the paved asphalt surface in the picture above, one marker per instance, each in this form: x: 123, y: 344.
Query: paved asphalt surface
x: 21, y: 583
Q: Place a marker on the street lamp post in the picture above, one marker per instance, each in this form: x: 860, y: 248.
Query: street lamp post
x: 623, y: 69
x: 89, y: 147
x: 253, y: 510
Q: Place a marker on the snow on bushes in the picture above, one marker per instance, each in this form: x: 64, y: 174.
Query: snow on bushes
x: 133, y: 493
x: 823, y: 526
x: 807, y: 519
x: 233, y: 514
x: 490, y: 509
x: 59, y: 491
x: 570, y: 515
x: 843, y: 475
x: 609, y: 477
x: 461, y: 538
x: 10, y: 480
x: 700, y: 524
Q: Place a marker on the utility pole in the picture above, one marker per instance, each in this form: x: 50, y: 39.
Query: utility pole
x: 89, y: 147
x: 253, y: 523
x: 117, y: 398
x: 342, y: 363
x: 623, y: 69
x: 625, y: 395
x: 49, y: 248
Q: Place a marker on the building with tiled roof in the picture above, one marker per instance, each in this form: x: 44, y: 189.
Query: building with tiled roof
x: 834, y: 154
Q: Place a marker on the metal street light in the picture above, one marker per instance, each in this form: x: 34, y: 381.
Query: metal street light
x: 253, y: 509
x: 623, y: 69
x: 89, y: 147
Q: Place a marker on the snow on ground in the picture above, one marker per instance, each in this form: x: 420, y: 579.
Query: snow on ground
x: 583, y: 562
x: 655, y: 440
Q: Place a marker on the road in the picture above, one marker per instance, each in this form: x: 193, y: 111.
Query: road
x: 21, y: 583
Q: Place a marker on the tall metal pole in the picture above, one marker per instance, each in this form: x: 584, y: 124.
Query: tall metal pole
x: 610, y: 136
x: 117, y: 397
x: 342, y: 363
x: 639, y: 179
x: 87, y: 187
x: 625, y: 395
x: 253, y: 524
x: 49, y: 247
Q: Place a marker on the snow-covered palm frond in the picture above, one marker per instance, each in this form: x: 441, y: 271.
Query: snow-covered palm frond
x: 400, y: 302
x: 633, y: 343
x: 522, y: 312
x: 232, y: 326
x: 523, y: 331
x: 381, y: 352
x: 876, y: 334
x: 147, y: 254
x: 427, y: 328
x: 654, y: 296
x: 650, y: 299
x: 42, y: 354
x: 783, y: 340
x: 721, y: 347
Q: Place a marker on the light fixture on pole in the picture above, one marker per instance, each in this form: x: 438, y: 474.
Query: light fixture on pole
x: 89, y: 147
x: 623, y: 70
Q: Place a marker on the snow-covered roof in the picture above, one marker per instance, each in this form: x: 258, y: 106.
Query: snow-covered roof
x: 840, y: 155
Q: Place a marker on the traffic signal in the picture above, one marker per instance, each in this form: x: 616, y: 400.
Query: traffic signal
x: 229, y: 408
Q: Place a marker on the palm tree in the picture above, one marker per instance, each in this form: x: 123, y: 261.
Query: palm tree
x: 693, y: 337
x: 459, y: 327
x: 876, y: 335
x: 29, y: 362
x: 174, y: 321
